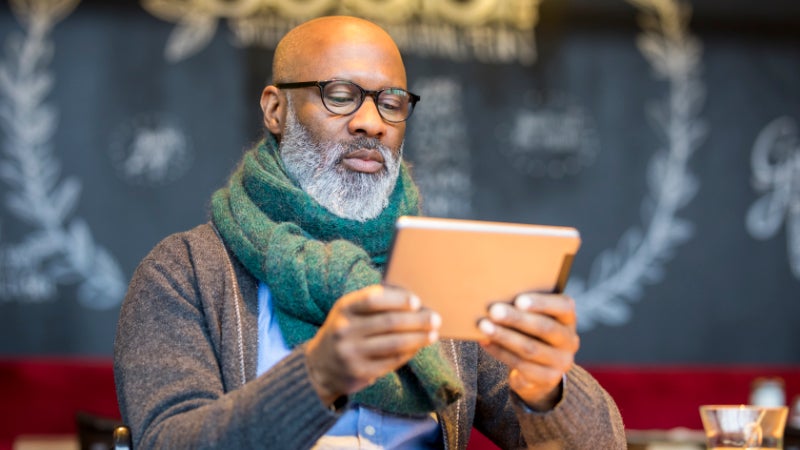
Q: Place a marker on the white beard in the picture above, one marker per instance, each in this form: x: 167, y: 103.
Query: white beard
x: 316, y: 167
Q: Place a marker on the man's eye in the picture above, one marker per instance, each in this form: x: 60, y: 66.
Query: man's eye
x: 389, y: 106
x: 391, y: 102
x: 340, y: 98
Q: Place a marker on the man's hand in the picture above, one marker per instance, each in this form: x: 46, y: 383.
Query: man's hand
x: 367, y: 334
x: 537, y: 338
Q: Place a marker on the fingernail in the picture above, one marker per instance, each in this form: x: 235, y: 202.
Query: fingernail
x: 433, y: 336
x: 487, y: 327
x: 414, y: 302
x: 498, y: 311
x: 523, y: 302
x: 436, y: 320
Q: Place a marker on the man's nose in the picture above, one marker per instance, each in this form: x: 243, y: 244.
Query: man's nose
x: 367, y: 120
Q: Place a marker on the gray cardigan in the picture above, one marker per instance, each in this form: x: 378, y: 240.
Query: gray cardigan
x: 185, y: 363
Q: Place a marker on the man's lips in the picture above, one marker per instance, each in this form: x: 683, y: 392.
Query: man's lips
x: 364, y: 160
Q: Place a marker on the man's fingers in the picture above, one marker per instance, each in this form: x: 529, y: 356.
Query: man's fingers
x: 368, y: 333
x: 385, y: 346
x: 558, y: 306
x: 536, y: 324
x: 536, y: 338
x: 362, y: 361
x: 515, y: 349
x: 378, y: 298
x: 423, y: 320
x: 379, y: 310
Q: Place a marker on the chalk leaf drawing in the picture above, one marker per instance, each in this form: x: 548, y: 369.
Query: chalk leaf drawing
x: 775, y: 163
x: 58, y: 250
x: 150, y: 150
x: 617, y: 276
x: 194, y: 32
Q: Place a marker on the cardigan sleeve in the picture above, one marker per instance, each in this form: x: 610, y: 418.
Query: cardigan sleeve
x: 169, y: 369
x: 586, y: 417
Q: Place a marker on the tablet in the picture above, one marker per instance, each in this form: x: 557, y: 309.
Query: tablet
x: 459, y: 267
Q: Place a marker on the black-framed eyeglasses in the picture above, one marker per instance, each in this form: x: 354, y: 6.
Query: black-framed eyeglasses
x: 345, y: 97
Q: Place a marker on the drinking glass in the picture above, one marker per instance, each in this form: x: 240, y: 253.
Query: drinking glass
x: 743, y: 426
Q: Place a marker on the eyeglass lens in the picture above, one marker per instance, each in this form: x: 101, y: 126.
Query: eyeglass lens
x: 344, y: 97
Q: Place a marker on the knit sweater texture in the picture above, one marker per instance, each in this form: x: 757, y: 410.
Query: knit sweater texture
x: 185, y: 367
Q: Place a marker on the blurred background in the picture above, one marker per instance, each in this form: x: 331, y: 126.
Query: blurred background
x: 666, y: 131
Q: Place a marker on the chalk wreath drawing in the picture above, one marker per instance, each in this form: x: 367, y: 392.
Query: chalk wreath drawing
x: 59, y: 250
x: 617, y: 276
x: 775, y: 161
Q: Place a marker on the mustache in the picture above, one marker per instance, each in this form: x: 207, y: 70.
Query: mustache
x: 364, y: 143
x: 361, y: 143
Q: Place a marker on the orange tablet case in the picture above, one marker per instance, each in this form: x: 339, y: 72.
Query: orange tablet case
x: 459, y: 267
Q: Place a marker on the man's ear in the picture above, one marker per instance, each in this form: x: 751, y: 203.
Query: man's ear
x: 273, y: 105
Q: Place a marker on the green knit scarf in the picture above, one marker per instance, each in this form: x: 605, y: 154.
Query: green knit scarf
x: 309, y: 258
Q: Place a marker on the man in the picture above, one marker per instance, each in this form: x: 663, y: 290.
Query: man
x: 268, y: 328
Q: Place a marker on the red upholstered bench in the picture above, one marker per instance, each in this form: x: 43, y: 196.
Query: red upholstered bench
x: 665, y: 397
x: 42, y: 396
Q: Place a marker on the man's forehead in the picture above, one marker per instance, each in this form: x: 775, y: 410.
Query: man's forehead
x: 334, y: 47
x: 355, y: 61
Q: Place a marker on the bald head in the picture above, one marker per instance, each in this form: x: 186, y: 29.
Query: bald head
x: 334, y: 48
x: 317, y: 49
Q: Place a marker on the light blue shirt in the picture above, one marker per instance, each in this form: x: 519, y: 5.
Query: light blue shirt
x: 359, y: 427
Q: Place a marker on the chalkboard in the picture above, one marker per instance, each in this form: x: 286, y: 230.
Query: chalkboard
x: 669, y: 137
